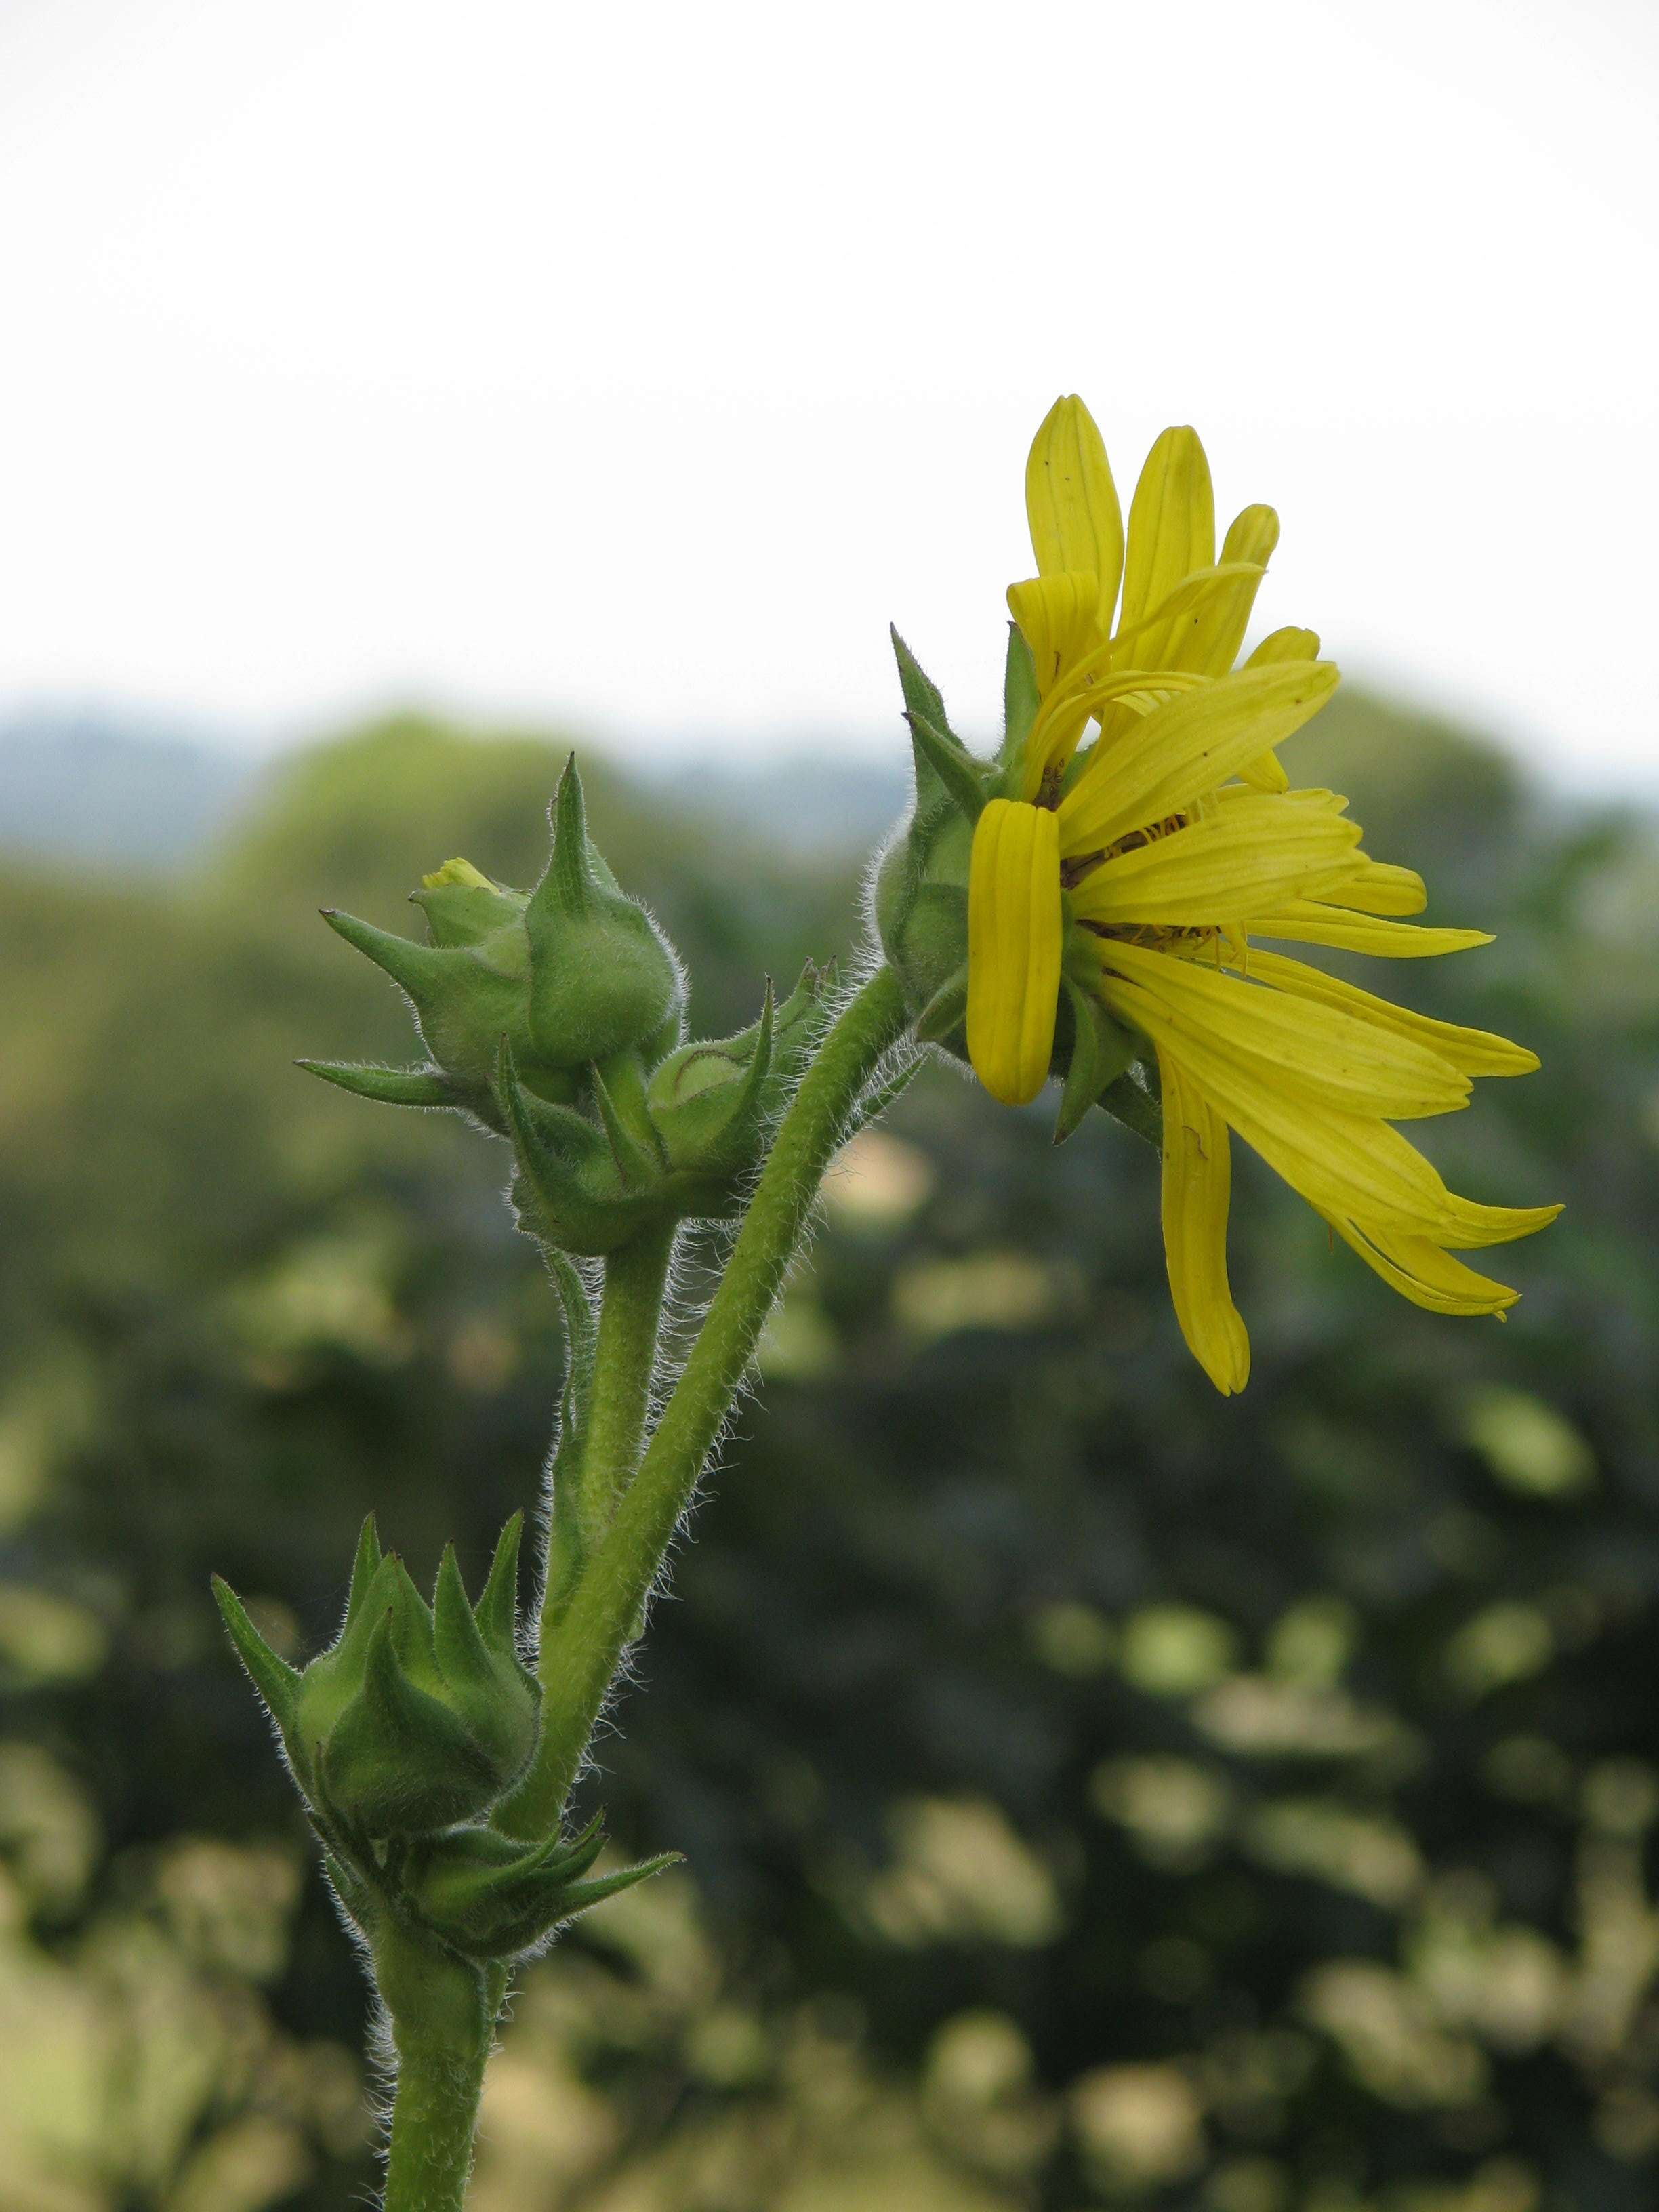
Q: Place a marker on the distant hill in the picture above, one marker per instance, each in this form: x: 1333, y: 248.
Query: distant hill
x: 122, y: 796
x: 113, y: 795
x: 805, y: 806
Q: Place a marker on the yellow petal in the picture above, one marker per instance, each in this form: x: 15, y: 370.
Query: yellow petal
x: 1265, y: 774
x: 1197, y: 1178
x: 1470, y: 1225
x: 1476, y: 1051
x: 1186, y: 746
x: 1058, y: 617
x: 1237, y: 863
x: 1282, y: 645
x: 1211, y: 644
x: 1380, y: 888
x: 1171, y: 531
x: 1308, y: 1051
x: 1306, y: 922
x: 1071, y: 502
x: 461, y: 873
x: 1014, y: 932
x: 1421, y: 1272
x: 1178, y: 616
x: 1345, y: 1164
x: 1089, y: 693
x: 1277, y: 647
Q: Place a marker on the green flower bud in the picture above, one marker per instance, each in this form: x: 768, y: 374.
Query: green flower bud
x: 570, y: 973
x: 644, y: 1155
x: 712, y: 1103
x: 417, y: 1715
x: 491, y: 1897
x: 921, y: 906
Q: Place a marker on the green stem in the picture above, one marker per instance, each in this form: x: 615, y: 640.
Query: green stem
x: 442, y: 2015
x: 603, y: 1613
x: 433, y: 2122
x: 624, y: 1358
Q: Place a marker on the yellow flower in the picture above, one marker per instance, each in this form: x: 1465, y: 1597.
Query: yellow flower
x: 1144, y: 866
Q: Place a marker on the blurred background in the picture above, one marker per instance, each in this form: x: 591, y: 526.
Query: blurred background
x: 1094, y: 1793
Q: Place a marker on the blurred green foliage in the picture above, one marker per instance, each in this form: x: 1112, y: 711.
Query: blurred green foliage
x: 1095, y: 1792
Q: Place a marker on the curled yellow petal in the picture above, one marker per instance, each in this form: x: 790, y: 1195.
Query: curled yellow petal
x: 1470, y: 1225
x: 1015, y: 928
x: 1196, y: 1185
x: 1421, y: 1272
x: 1058, y: 619
x: 1071, y: 504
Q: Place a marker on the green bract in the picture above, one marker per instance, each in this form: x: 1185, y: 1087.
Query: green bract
x: 921, y: 905
x: 492, y: 1898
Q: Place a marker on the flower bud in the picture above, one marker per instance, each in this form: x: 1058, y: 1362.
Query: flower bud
x: 570, y: 973
x: 646, y: 1155
x: 417, y: 1715
x: 492, y: 1897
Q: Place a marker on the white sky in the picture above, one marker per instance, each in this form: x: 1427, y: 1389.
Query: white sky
x: 634, y: 365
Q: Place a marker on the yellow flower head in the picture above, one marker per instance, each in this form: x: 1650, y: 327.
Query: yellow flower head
x: 1145, y: 837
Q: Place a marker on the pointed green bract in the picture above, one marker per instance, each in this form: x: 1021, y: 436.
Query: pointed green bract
x: 387, y: 1087
x: 413, y: 968
x: 945, y: 1011
x: 497, y: 1611
x: 1020, y: 699
x: 583, y: 1895
x: 1132, y: 1100
x: 463, y: 1656
x: 959, y: 776
x: 278, y: 1683
x: 364, y: 1568
x: 921, y: 694
x: 634, y: 1166
x: 1101, y: 1049
x: 568, y: 886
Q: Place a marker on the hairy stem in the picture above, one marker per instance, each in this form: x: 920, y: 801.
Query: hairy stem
x: 433, y: 2123
x: 442, y: 2012
x: 602, y: 1615
x: 624, y: 1358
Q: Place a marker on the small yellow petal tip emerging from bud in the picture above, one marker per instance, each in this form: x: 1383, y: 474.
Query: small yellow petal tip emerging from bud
x: 459, y: 873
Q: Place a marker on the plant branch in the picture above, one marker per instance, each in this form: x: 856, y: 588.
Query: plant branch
x: 603, y: 1614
